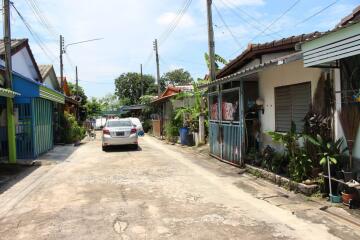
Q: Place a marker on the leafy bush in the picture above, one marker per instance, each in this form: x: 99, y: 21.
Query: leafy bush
x: 147, y: 125
x: 300, y: 166
x: 300, y: 163
x: 71, y: 132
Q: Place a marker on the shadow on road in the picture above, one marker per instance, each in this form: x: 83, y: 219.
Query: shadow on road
x: 10, y: 174
x: 124, y: 148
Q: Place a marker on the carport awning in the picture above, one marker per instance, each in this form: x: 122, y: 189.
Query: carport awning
x: 254, y: 69
x: 51, y: 95
x: 8, y: 93
x: 334, y: 45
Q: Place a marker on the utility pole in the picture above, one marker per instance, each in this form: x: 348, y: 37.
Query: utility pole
x: 77, y: 83
x: 61, y: 62
x: 8, y: 83
x: 77, y: 91
x: 157, y: 65
x: 212, y: 73
x: 142, y: 82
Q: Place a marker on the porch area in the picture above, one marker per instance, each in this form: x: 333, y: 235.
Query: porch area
x: 233, y: 117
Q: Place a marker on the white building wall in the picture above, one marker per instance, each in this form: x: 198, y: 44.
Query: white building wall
x: 281, y: 75
x: 21, y: 63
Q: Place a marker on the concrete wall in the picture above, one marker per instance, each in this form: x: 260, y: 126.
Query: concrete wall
x: 281, y: 75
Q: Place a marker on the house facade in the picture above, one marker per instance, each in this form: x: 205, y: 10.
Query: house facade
x: 339, y: 51
x: 265, y: 89
x: 34, y: 106
x: 166, y: 107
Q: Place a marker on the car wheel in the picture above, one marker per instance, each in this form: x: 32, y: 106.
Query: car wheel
x: 104, y: 148
x: 135, y: 146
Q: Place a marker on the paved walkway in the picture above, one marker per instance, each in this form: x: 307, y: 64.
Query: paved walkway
x: 158, y: 192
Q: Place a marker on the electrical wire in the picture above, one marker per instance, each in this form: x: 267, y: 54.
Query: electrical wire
x: 175, y: 22
x: 272, y: 23
x: 38, y: 40
x: 255, y: 24
x: 172, y: 26
x: 228, y: 28
x: 309, y: 17
x: 42, y: 19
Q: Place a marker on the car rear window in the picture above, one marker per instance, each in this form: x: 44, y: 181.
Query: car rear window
x: 136, y: 121
x: 119, y: 123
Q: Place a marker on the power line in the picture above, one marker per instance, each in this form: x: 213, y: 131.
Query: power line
x: 227, y: 27
x: 310, y: 17
x: 43, y: 47
x: 41, y: 17
x: 257, y: 26
x: 175, y: 22
x: 273, y: 22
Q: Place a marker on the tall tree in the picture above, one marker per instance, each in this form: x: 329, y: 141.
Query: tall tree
x: 110, y: 102
x: 93, y: 107
x: 128, y: 87
x: 81, y: 93
x: 175, y: 77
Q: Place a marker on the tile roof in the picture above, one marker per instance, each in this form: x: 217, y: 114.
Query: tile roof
x: 353, y: 16
x: 255, y: 50
x: 44, y: 69
x: 15, y: 43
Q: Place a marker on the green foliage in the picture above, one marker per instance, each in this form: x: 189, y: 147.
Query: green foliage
x: 175, y: 77
x: 327, y: 150
x: 300, y: 166
x: 218, y: 59
x: 81, y: 93
x: 93, y: 107
x: 70, y: 130
x: 110, y: 102
x: 147, y: 124
x: 190, y: 115
x: 128, y: 87
x: 288, y: 139
x: 172, y: 128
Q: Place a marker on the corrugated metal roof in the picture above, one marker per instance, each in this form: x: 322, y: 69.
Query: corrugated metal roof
x: 247, y: 71
x: 259, y: 49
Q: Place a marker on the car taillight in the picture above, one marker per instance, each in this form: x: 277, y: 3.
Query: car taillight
x: 106, y: 131
x: 133, y: 130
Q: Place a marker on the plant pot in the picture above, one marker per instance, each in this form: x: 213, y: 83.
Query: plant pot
x: 348, y: 176
x: 347, y: 197
x: 335, y: 199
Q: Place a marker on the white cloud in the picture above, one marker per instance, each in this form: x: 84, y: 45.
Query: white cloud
x: 168, y: 17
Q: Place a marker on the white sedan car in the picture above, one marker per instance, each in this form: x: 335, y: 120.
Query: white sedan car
x: 119, y: 132
x: 138, y: 125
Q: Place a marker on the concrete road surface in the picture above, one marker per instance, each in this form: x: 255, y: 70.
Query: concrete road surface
x: 157, y: 192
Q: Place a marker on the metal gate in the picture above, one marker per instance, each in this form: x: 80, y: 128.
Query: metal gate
x: 42, y: 125
x: 226, y: 136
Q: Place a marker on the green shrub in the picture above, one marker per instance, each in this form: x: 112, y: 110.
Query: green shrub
x: 147, y: 125
x: 71, y: 132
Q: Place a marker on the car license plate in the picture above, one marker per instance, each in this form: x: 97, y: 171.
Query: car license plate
x: 119, y: 134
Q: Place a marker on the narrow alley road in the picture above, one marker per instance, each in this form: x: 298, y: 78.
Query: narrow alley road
x: 158, y: 192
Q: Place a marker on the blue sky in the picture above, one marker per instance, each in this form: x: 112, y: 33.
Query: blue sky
x: 129, y: 27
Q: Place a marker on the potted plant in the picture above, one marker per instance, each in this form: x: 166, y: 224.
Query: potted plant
x: 350, y: 121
